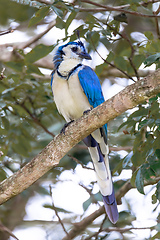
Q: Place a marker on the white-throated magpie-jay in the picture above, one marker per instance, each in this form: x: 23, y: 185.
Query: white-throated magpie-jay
x: 76, y: 89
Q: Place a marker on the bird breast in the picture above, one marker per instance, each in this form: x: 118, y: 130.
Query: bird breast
x: 69, y: 97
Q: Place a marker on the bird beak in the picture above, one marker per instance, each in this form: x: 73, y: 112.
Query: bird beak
x: 85, y: 55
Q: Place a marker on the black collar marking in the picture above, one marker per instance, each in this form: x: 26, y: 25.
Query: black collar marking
x: 70, y: 73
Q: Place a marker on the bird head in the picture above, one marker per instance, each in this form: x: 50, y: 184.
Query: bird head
x: 71, y: 50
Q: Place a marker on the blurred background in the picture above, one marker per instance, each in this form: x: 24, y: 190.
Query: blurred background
x: 123, y: 39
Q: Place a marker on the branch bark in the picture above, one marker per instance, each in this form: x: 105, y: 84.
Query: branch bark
x: 50, y: 156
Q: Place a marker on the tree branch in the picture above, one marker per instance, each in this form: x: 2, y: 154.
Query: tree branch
x: 108, y: 8
x: 50, y: 156
x: 118, y: 9
x: 37, y: 37
x: 116, y: 229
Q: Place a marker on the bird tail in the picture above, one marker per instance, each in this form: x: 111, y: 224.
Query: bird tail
x: 99, y: 153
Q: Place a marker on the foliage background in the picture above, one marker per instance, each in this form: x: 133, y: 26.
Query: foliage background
x: 122, y: 40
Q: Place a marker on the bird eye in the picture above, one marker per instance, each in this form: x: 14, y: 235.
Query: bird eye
x: 74, y: 49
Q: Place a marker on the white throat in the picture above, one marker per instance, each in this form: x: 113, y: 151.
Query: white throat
x: 67, y: 65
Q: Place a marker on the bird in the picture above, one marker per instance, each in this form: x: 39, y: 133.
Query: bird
x: 76, y: 89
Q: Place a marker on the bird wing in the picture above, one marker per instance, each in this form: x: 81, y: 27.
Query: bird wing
x: 92, y: 88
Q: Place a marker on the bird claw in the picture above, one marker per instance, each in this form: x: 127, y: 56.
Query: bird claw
x: 65, y: 126
x: 87, y: 111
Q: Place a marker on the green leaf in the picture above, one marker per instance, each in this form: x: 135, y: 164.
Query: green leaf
x: 158, y: 191
x: 129, y: 123
x: 110, y: 57
x: 138, y: 60
x: 154, y: 199
x: 121, y: 18
x: 33, y: 69
x: 149, y: 35
x: 38, y: 52
x: 56, y: 208
x: 57, y: 11
x: 20, y: 149
x: 105, y: 42
x: 143, y: 123
x: 151, y: 59
x: 86, y: 204
x: 142, y: 111
x: 120, y: 62
x: 69, y: 20
x: 147, y: 172
x: 90, y: 19
x: 3, y: 174
x: 5, y: 122
x: 133, y: 178
x: 93, y: 37
x: 126, y: 161
x: 156, y: 236
x: 140, y: 181
x: 126, y: 218
x: 16, y: 11
x: 137, y: 158
x: 97, y: 197
x: 39, y: 15
x: 94, y: 198
x: 100, y: 68
x: 155, y: 163
x: 60, y: 23
x: 17, y: 66
x: 157, y: 152
x: 118, y: 167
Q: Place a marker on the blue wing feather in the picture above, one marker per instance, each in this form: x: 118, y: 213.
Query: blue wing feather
x: 92, y: 88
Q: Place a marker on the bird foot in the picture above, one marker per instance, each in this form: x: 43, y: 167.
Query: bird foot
x: 65, y: 126
x: 87, y: 111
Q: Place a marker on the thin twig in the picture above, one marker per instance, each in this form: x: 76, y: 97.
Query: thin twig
x: 1, y: 153
x: 115, y: 149
x: 116, y: 229
x: 89, y: 191
x: 6, y: 32
x: 2, y: 74
x: 130, y: 59
x: 56, y: 212
x: 37, y: 37
x: 118, y: 9
x: 101, y: 227
x: 156, y: 21
x: 108, y: 8
x: 79, y: 162
x: 44, y: 2
x: 111, y: 64
x: 144, y: 4
x: 7, y: 230
x: 35, y: 119
x: 124, y: 35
